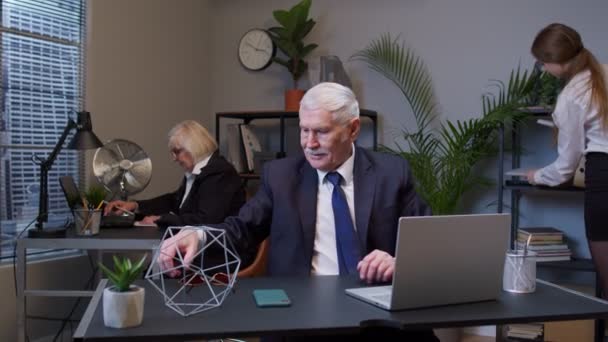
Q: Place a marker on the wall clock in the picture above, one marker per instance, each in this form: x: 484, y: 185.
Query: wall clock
x: 256, y: 49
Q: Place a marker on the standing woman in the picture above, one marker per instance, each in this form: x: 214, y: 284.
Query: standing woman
x: 581, y: 117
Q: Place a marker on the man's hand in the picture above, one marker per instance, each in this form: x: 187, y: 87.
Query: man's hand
x: 377, y: 266
x: 120, y: 206
x: 186, y: 241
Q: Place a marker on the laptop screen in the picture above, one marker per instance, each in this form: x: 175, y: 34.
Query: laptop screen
x: 70, y: 190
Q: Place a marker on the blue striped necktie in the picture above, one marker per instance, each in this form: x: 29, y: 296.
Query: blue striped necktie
x: 347, y: 243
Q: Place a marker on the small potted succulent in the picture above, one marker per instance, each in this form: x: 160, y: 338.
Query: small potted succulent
x: 123, y: 303
x: 288, y: 37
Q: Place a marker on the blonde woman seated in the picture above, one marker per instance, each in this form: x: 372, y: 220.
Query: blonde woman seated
x: 210, y: 191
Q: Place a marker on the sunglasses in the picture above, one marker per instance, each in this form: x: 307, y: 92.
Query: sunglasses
x: 191, y: 280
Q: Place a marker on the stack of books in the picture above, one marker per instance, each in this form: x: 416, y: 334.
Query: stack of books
x: 525, y: 332
x: 547, y: 242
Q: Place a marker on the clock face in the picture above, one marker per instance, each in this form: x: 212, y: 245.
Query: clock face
x: 256, y: 49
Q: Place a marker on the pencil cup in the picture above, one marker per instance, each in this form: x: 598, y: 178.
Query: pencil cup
x: 86, y: 221
x: 520, y: 272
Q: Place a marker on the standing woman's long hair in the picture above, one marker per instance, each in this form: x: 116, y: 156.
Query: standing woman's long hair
x: 561, y: 44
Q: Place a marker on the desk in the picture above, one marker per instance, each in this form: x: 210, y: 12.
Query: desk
x: 136, y: 238
x: 320, y: 306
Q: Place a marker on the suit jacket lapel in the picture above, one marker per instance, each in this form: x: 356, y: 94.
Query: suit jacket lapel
x: 365, y: 186
x: 307, y: 194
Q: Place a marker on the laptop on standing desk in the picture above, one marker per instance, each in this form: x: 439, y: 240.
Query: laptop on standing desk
x: 444, y: 260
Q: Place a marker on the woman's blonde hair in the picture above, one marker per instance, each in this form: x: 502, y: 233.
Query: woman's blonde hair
x: 561, y: 44
x: 193, y: 138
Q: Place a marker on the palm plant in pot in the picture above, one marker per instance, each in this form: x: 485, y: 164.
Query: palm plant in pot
x: 123, y: 303
x: 288, y: 37
x: 443, y: 156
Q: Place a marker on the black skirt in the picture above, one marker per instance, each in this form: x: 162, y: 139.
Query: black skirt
x: 596, y: 196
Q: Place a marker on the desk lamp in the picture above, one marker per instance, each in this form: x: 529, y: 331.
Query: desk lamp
x: 83, y: 139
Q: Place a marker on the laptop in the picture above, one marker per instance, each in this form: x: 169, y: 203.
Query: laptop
x: 72, y: 196
x: 444, y: 260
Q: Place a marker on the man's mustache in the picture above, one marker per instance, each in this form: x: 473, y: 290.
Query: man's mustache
x: 315, y: 152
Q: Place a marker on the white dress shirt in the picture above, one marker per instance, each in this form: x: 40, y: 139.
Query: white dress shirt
x: 196, y: 170
x: 579, y: 130
x: 325, y: 253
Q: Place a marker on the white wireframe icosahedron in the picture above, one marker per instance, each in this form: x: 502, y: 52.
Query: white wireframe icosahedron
x: 198, y: 287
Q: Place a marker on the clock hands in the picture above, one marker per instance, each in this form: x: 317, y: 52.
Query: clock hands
x: 256, y: 48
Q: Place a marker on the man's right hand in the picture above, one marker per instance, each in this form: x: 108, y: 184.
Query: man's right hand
x: 119, y: 207
x: 187, y: 242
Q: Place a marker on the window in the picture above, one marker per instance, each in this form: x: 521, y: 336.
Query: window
x: 42, y: 67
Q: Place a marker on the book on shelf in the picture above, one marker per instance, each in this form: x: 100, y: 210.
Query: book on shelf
x: 540, y: 235
x: 251, y: 144
x: 543, y: 247
x: 525, y: 332
x: 553, y: 258
x: 546, y: 122
x: 540, y: 231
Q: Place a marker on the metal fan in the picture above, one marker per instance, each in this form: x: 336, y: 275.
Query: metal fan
x: 122, y: 167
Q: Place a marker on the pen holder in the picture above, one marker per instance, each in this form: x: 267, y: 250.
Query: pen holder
x: 86, y: 221
x: 520, y: 272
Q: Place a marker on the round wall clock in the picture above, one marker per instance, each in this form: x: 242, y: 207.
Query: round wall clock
x: 256, y: 49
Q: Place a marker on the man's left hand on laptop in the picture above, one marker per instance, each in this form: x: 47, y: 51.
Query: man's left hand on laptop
x: 377, y: 266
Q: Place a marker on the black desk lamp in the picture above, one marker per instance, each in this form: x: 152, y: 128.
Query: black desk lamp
x: 83, y: 139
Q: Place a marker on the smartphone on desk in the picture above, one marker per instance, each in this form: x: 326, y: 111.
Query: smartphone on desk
x: 271, y: 298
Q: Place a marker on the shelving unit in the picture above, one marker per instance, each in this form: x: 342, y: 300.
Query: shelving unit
x: 248, y: 116
x: 518, y: 187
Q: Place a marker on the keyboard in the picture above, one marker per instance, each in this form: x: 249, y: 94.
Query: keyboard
x: 117, y: 221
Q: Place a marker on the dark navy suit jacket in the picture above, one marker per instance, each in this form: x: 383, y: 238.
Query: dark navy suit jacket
x: 285, y: 206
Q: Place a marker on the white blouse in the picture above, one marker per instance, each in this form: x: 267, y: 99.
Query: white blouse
x: 579, y: 130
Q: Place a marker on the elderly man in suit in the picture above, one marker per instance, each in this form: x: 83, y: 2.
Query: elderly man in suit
x: 334, y: 210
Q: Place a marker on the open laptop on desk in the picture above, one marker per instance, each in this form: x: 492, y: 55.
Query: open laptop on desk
x: 444, y: 260
x: 70, y: 190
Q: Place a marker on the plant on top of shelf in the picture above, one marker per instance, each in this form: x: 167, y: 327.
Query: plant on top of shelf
x: 288, y: 37
x: 442, y: 158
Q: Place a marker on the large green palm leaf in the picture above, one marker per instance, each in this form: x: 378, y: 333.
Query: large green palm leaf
x: 443, y: 159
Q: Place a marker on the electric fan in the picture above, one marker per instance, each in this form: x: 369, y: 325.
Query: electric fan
x: 122, y: 167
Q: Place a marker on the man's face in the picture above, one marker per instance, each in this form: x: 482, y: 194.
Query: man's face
x: 326, y: 143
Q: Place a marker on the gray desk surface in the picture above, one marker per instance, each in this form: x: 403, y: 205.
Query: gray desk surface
x: 320, y: 306
x: 134, y: 238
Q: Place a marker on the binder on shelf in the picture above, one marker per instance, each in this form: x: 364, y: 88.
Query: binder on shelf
x: 236, y: 152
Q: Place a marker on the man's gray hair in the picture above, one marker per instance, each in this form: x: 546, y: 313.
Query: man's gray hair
x: 334, y: 98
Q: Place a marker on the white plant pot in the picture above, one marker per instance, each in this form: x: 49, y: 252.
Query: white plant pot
x: 123, y: 309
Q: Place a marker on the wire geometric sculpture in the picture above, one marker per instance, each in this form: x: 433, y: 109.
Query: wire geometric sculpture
x: 199, y: 287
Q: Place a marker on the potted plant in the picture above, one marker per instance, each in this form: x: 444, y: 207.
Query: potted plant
x: 443, y: 156
x: 123, y: 303
x: 288, y: 37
